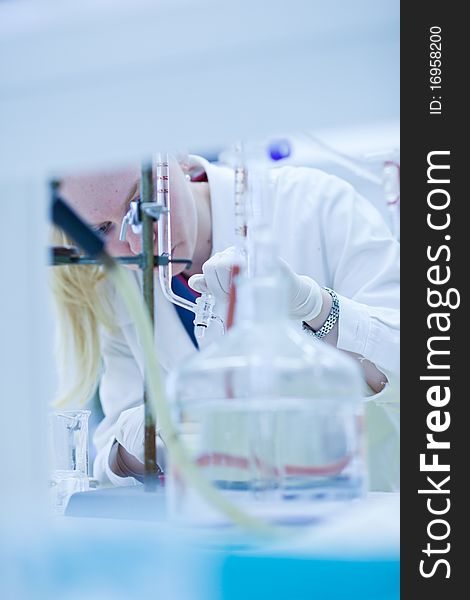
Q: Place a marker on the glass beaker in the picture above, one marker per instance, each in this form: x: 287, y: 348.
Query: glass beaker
x: 68, y: 439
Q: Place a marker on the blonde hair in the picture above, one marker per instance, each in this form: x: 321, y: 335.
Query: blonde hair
x: 82, y: 307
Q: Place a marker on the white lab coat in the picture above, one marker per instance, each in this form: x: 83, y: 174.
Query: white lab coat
x: 327, y: 231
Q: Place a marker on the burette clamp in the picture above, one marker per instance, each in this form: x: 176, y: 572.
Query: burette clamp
x: 133, y: 216
x: 153, y: 209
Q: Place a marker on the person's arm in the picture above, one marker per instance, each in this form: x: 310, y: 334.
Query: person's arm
x: 345, y: 232
x: 338, y: 239
x: 363, y: 261
x: 124, y: 464
x: 126, y: 456
x: 121, y: 389
x: 306, y: 297
x: 120, y: 436
x: 373, y: 376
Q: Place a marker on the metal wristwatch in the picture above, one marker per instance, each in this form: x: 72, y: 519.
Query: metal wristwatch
x: 330, y: 321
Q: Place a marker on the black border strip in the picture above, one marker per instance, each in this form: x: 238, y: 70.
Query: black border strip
x: 425, y: 131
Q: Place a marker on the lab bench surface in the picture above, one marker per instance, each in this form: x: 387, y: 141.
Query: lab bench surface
x: 117, y: 544
x: 129, y: 502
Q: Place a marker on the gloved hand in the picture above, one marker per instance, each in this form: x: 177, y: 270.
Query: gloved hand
x: 130, y: 434
x: 304, y: 294
x: 216, y: 274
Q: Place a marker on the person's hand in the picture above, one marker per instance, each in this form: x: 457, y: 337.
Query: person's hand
x: 305, y: 299
x: 216, y: 273
x: 304, y: 295
x: 130, y: 434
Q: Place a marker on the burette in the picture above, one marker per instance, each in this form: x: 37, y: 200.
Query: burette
x: 162, y: 177
x: 250, y: 164
x: 241, y: 228
x: 203, y: 306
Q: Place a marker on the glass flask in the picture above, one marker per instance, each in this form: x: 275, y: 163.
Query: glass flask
x: 271, y: 415
x: 68, y: 439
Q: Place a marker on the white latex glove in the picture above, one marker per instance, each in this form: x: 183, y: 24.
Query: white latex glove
x: 130, y: 434
x: 216, y: 274
x: 304, y: 294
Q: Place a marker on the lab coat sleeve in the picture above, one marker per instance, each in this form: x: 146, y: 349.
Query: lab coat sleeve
x: 363, y: 263
x: 121, y: 388
x: 336, y: 236
x: 331, y: 233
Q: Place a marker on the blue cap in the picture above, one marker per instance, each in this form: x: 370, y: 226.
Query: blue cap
x: 279, y: 149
